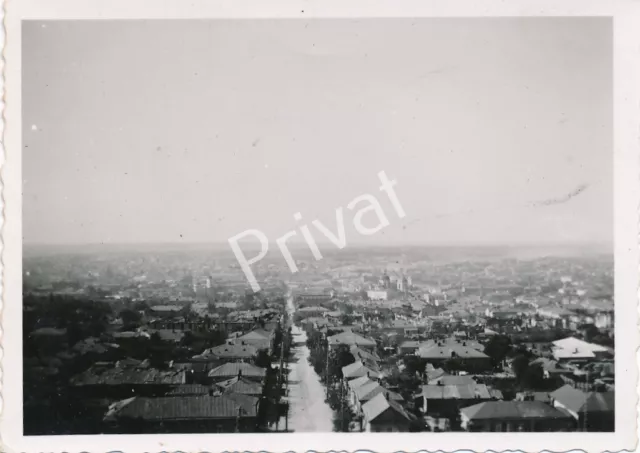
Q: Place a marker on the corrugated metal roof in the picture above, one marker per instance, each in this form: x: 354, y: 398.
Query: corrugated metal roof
x: 512, y: 410
x: 189, y: 407
x: 232, y: 369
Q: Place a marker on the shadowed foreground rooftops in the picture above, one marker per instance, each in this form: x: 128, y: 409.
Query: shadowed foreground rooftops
x: 184, y: 407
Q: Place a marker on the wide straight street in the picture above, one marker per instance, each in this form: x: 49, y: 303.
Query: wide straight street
x: 308, y: 411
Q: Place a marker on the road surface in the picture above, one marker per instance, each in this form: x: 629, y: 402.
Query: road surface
x: 308, y: 411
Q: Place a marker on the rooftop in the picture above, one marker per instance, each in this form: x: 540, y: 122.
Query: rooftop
x: 513, y: 410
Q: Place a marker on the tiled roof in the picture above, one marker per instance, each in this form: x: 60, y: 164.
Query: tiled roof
x: 232, y: 350
x: 577, y: 400
x: 189, y: 390
x: 454, y: 380
x: 358, y: 369
x: 237, y: 368
x: 449, y: 350
x: 360, y: 353
x: 189, y: 407
x: 355, y: 383
x: 240, y: 385
x: 350, y: 338
x: 257, y: 334
x: 370, y: 390
x: 463, y: 391
x: 379, y: 404
x: 130, y: 376
x: 512, y: 410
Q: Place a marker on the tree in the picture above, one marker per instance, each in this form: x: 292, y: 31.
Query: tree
x: 453, y: 365
x: 263, y: 360
x: 519, y: 365
x: 414, y: 364
x: 533, y: 377
x: 497, y: 349
x: 130, y: 318
x: 338, y: 359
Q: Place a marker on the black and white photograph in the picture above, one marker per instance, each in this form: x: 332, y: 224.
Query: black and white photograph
x: 325, y: 225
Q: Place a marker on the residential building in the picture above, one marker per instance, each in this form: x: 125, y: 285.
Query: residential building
x: 530, y: 416
x: 232, y: 352
x: 384, y: 415
x: 351, y: 339
x: 593, y: 411
x: 240, y: 369
x: 226, y: 413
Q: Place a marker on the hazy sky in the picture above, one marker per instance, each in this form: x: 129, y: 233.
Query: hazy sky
x: 194, y: 131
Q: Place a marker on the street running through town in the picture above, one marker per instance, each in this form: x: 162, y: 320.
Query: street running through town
x: 308, y: 411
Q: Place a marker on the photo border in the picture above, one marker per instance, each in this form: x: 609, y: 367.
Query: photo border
x: 626, y: 17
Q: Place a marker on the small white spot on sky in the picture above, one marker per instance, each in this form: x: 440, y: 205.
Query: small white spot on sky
x: 266, y: 165
x: 34, y: 127
x: 44, y: 25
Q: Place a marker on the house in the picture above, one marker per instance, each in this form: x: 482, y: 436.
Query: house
x: 530, y: 416
x: 550, y: 367
x: 125, y: 378
x: 409, y: 347
x: 384, y: 415
x: 446, y: 400
x: 367, y: 390
x: 233, y: 369
x: 469, y: 357
x: 259, y: 338
x: 240, y: 384
x: 359, y: 369
x: 593, y: 410
x: 361, y: 354
x: 351, y: 339
x: 226, y: 413
x: 544, y: 397
x: 448, y: 379
x: 232, y: 352
x: 572, y: 348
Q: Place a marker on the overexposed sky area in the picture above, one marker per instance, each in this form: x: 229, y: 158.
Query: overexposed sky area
x: 170, y: 131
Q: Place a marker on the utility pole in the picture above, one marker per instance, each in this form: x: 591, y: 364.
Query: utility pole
x: 586, y: 403
x: 341, y: 407
x: 326, y: 371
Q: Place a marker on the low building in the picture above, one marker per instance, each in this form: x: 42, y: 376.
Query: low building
x: 259, y: 338
x: 226, y: 413
x: 384, y: 415
x: 469, y: 357
x: 572, y: 348
x: 126, y: 378
x: 365, y: 390
x: 593, y: 411
x: 359, y: 369
x: 350, y: 339
x: 231, y: 352
x: 446, y: 400
x: 239, y: 369
x: 529, y: 416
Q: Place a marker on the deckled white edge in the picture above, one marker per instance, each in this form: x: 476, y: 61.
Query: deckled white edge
x: 627, y: 201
